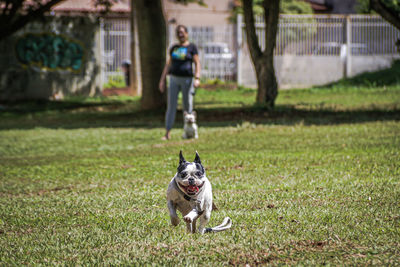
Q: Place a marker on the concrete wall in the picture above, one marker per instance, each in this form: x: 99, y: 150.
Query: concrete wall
x: 360, y: 64
x: 215, y: 13
x: 57, y: 57
x: 294, y: 71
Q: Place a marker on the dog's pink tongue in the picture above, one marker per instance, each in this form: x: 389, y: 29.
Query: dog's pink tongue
x: 192, y: 188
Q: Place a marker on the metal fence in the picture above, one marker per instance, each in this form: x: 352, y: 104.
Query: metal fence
x: 318, y: 49
x: 220, y: 45
x: 115, y: 48
x: 331, y: 34
x: 377, y: 34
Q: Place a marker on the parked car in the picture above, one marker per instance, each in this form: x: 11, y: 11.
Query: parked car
x: 218, y: 61
x: 357, y: 49
x: 217, y: 50
x: 339, y: 49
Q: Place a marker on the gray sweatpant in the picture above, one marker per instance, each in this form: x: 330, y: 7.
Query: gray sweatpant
x: 177, y: 84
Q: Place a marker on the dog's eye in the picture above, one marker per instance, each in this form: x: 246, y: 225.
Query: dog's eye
x: 183, y: 174
x: 198, y: 174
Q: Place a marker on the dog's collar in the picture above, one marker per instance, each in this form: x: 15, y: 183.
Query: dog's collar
x: 185, y: 196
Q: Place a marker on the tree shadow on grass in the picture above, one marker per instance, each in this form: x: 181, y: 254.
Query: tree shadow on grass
x: 290, y: 115
x: 34, y: 106
x: 121, y: 114
x: 110, y: 112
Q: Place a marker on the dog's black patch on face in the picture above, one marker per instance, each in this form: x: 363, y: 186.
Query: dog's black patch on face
x: 200, y: 170
x: 182, y: 163
x: 182, y: 166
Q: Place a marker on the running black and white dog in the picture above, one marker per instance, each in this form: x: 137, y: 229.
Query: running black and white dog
x: 190, y: 192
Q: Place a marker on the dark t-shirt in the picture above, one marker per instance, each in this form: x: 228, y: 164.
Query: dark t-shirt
x: 182, y: 59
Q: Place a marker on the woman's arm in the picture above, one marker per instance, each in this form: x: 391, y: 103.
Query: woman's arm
x: 197, y: 68
x: 161, y: 85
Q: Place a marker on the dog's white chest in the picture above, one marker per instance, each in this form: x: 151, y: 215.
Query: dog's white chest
x: 190, y: 130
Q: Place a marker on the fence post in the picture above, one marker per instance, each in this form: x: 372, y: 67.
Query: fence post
x: 348, y: 46
x: 102, y: 49
x: 239, y: 49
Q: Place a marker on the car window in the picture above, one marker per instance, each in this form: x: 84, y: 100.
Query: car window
x: 329, y: 50
x: 216, y: 49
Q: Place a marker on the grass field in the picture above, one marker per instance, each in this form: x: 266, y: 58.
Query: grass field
x: 314, y: 182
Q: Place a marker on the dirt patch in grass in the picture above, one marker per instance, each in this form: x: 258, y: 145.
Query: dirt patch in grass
x: 252, y: 259
x: 274, y: 255
x: 40, y: 192
x: 58, y: 188
x: 309, y: 245
x: 219, y: 86
x: 118, y: 91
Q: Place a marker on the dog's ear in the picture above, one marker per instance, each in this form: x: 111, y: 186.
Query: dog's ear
x: 197, y: 158
x: 181, y: 158
x: 185, y: 113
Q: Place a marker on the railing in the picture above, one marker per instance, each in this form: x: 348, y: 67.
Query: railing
x: 115, y: 48
x: 326, y: 35
x: 319, y: 49
x: 220, y: 46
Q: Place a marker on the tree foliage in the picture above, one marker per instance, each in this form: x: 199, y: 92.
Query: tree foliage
x: 15, y: 14
x: 286, y: 7
x: 388, y: 9
x: 363, y: 6
x: 295, y: 7
x: 185, y: 2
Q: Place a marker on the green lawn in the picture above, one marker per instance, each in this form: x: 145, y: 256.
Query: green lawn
x: 315, y: 181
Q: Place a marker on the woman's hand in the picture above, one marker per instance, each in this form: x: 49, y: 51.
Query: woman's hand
x: 196, y: 82
x: 196, y: 61
x: 161, y: 85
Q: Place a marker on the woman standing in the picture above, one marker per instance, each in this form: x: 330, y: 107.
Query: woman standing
x: 179, y: 66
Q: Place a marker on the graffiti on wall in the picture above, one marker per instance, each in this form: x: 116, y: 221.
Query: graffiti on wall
x: 49, y: 51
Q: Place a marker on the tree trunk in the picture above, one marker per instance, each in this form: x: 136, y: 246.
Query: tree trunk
x: 10, y: 19
x: 263, y: 61
x: 388, y: 14
x: 134, y: 86
x: 266, y: 81
x: 152, y: 47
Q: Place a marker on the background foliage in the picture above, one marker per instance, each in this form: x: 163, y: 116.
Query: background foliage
x: 364, y: 8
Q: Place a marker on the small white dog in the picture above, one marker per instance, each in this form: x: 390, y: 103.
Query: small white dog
x: 190, y: 192
x: 190, y: 126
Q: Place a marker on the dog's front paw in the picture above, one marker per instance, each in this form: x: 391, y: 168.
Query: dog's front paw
x: 188, y: 219
x: 174, y: 221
